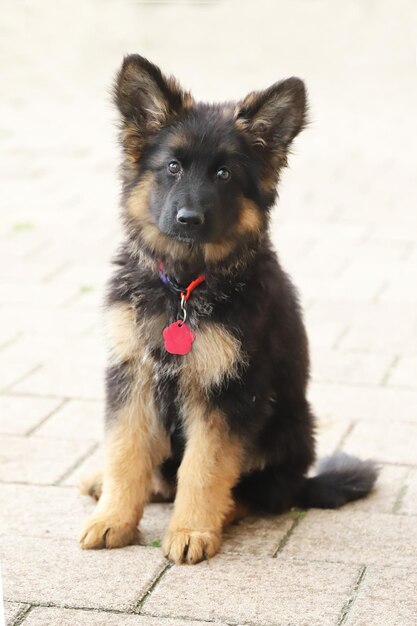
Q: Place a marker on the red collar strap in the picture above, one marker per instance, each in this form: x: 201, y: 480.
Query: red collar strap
x: 185, y: 292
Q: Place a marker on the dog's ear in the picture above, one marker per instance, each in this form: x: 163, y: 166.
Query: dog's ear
x: 273, y: 117
x: 147, y: 100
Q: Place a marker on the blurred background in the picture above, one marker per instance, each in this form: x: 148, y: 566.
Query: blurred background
x: 345, y: 226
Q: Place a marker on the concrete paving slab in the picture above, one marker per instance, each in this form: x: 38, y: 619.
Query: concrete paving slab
x: 20, y: 414
x: 12, y: 611
x: 263, y: 591
x: 387, y: 597
x: 38, y: 460
x: 351, y: 536
x: 77, y: 419
x: 62, y: 574
x: 388, y: 442
x: 67, y: 617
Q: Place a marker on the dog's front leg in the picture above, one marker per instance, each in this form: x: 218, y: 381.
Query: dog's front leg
x: 209, y: 470
x: 133, y: 449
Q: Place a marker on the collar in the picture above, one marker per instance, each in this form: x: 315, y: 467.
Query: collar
x: 184, y: 291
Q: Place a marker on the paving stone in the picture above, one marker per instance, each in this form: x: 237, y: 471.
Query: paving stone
x: 257, y: 536
x: 404, y: 290
x: 71, y: 617
x: 92, y: 463
x: 384, y: 498
x: 62, y: 574
x: 354, y: 537
x: 387, y: 597
x: 42, y: 512
x: 47, y: 345
x: 408, y: 503
x: 404, y: 372
x: 38, y: 460
x: 329, y: 434
x: 50, y: 321
x: 66, y: 378
x: 12, y: 610
x: 355, y: 402
x: 358, y: 290
x: 335, y: 366
x: 263, y: 591
x: 388, y: 442
x: 75, y: 420
x: 11, y: 370
x: 324, y: 335
x: 20, y: 414
x: 384, y: 330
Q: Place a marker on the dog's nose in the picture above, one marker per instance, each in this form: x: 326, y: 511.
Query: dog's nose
x: 189, y: 217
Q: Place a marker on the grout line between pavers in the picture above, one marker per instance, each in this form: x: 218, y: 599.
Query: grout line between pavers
x: 288, y: 534
x: 349, y: 604
x: 142, y: 600
x: 379, y: 293
x: 390, y: 368
x: 187, y: 618
x: 13, y: 340
x: 32, y: 430
x: 75, y: 465
x: 53, y: 273
x: 8, y: 388
x: 401, y: 494
x: 67, y: 607
x: 345, y: 435
x: 87, y: 609
x: 21, y: 617
x: 340, y: 337
x: 27, y: 394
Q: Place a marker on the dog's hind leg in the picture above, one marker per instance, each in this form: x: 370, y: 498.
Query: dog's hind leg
x: 92, y: 485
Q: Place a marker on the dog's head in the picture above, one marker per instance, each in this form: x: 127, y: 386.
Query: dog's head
x: 196, y: 176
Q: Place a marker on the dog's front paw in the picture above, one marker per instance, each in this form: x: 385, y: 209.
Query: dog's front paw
x: 107, y: 532
x: 190, y: 546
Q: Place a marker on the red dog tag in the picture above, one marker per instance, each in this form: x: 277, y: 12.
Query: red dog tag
x: 178, y: 338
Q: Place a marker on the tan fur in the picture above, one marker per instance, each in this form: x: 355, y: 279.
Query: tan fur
x: 250, y: 218
x: 209, y: 469
x: 130, y: 339
x: 216, y: 354
x: 121, y: 338
x: 135, y: 443
x: 214, y: 252
x: 92, y: 485
x: 237, y: 513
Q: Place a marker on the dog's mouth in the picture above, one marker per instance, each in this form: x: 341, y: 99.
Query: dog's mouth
x: 189, y: 236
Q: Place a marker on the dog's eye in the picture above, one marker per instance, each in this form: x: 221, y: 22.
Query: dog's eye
x: 174, y: 167
x: 223, y: 174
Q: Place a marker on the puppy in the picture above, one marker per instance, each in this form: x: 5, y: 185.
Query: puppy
x: 208, y: 355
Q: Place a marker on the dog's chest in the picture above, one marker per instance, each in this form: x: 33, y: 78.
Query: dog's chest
x: 216, y: 353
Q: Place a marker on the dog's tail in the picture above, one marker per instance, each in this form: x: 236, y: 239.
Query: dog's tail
x: 340, y: 479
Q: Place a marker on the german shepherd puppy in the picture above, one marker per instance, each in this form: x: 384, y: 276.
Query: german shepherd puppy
x: 208, y: 369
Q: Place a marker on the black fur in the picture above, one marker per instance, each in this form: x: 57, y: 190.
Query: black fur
x: 247, y: 292
x: 340, y: 479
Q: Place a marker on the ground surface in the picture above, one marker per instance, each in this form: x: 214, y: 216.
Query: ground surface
x: 346, y: 229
